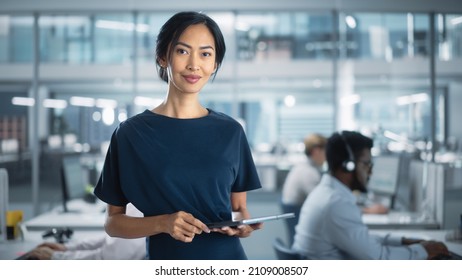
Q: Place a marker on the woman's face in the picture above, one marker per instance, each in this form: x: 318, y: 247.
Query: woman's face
x: 192, y: 60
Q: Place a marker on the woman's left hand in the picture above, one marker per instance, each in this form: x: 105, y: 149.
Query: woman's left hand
x: 240, y: 231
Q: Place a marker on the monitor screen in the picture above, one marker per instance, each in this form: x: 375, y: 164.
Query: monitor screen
x: 384, y: 178
x: 3, y: 203
x: 73, y: 185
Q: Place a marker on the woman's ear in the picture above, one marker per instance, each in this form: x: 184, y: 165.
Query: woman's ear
x: 162, y: 62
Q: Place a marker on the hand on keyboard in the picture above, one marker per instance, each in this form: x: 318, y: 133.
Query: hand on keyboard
x: 27, y: 256
x: 434, y: 249
x: 450, y: 256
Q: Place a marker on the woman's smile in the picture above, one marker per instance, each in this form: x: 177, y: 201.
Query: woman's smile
x: 192, y: 78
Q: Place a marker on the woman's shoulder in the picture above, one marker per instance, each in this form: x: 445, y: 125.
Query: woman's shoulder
x: 224, y: 119
x: 131, y: 122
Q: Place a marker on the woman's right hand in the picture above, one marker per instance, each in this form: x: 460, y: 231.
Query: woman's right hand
x: 183, y: 226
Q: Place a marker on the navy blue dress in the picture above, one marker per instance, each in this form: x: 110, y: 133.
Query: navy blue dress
x: 163, y: 165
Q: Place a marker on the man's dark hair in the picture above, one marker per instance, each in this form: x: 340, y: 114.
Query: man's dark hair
x: 172, y: 29
x: 337, y: 151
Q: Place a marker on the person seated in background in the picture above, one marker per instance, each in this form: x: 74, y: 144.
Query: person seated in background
x: 302, y: 179
x: 330, y: 224
x: 304, y: 176
x: 102, y: 247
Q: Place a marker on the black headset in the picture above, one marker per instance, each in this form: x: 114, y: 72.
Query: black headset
x: 349, y: 164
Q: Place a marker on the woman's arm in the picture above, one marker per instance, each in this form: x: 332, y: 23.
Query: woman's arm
x: 180, y: 225
x: 239, y: 208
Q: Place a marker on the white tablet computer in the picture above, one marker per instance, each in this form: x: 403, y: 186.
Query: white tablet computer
x: 251, y: 221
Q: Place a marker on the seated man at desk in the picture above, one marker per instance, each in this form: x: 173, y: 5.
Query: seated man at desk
x: 102, y: 247
x: 330, y: 224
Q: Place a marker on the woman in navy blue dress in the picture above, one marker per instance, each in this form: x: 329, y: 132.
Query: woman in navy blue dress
x: 181, y: 164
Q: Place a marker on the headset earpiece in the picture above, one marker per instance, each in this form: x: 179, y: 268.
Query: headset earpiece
x: 349, y: 164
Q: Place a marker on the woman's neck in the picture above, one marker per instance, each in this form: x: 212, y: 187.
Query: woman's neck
x: 181, y: 110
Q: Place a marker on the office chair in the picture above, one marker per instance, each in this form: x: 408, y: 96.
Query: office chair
x: 291, y: 223
x: 283, y: 252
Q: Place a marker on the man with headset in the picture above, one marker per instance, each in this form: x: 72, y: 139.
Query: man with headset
x: 330, y: 224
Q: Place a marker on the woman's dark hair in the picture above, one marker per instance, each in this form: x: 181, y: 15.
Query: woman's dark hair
x: 337, y: 151
x: 175, y: 26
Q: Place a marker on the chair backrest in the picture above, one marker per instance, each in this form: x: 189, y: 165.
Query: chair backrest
x: 283, y: 252
x: 291, y: 223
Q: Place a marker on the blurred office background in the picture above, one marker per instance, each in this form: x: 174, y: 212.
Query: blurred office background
x: 71, y: 71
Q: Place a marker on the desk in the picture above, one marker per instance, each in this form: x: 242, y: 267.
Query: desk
x: 438, y: 235
x: 399, y: 220
x: 85, y: 219
x: 12, y: 249
x: 82, y: 216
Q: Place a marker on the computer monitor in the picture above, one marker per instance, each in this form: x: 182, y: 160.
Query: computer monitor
x: 72, y: 175
x: 402, y: 198
x: 384, y: 179
x: 3, y: 203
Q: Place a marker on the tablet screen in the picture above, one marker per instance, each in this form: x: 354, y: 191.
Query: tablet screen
x: 251, y: 220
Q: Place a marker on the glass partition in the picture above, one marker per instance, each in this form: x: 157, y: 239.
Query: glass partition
x: 66, y: 39
x: 383, y: 75
x: 16, y: 38
x: 284, y: 36
x: 448, y: 58
x: 281, y: 78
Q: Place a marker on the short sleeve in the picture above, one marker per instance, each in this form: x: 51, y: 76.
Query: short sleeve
x: 247, y: 176
x: 108, y: 188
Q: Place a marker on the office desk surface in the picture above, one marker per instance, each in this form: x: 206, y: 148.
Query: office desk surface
x: 399, y: 220
x: 438, y: 235
x: 82, y: 216
x: 10, y: 250
x: 76, y: 221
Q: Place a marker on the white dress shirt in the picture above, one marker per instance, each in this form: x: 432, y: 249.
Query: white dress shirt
x: 105, y: 247
x: 330, y: 227
x: 300, y: 181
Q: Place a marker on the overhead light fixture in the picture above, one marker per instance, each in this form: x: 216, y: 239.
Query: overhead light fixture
x: 122, y: 116
x: 23, y: 101
x: 242, y: 26
x: 82, y: 101
x: 108, y: 116
x: 106, y: 103
x: 96, y: 116
x: 54, y: 103
x: 456, y: 20
x: 350, y: 21
x: 147, y: 101
x: 290, y: 101
x: 122, y: 26
x: 350, y: 100
x: 411, y: 99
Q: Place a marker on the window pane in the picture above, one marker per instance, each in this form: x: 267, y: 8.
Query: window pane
x: 147, y: 40
x: 16, y: 39
x: 383, y: 36
x: 449, y: 28
x: 114, y: 38
x: 284, y: 36
x: 65, y: 39
x: 386, y: 87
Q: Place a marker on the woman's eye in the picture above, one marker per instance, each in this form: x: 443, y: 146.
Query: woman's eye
x: 181, y: 51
